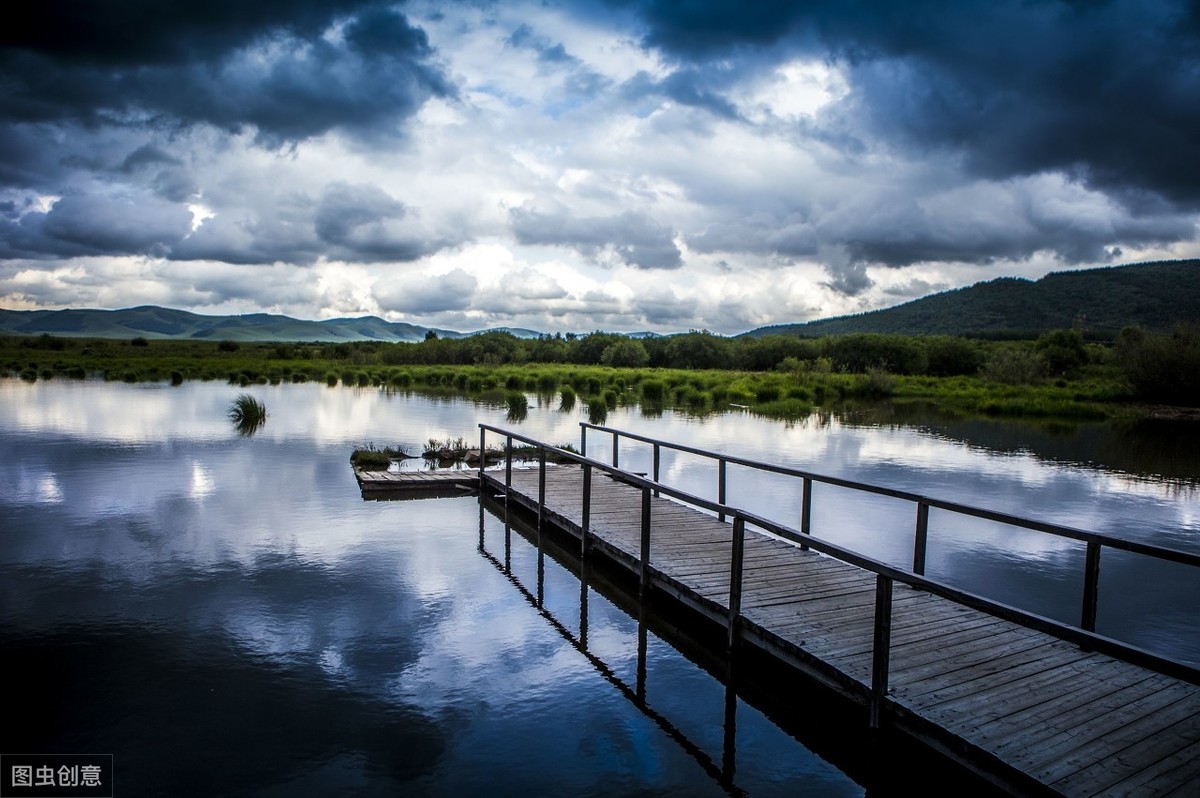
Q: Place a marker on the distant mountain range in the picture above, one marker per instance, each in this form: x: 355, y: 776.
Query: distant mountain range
x: 150, y: 321
x: 1156, y: 296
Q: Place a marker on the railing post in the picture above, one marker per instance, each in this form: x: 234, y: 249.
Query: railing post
x: 656, y: 463
x: 482, y: 459
x: 921, y: 538
x: 583, y: 439
x: 1091, y: 586
x: 721, y: 468
x: 507, y: 468
x: 587, y: 509
x: 806, y: 510
x: 735, y: 578
x: 644, y: 573
x: 616, y: 455
x: 880, y: 648
x: 541, y: 491
x: 541, y: 559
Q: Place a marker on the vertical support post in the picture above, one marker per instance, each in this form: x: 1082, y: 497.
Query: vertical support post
x: 541, y: 563
x: 482, y: 459
x: 541, y: 490
x: 735, y: 580
x: 729, y: 738
x: 587, y: 510
x: 585, y: 529
x: 921, y: 538
x: 656, y: 463
x: 481, y: 540
x: 507, y: 541
x: 881, y: 647
x: 583, y: 606
x: 1091, y: 586
x: 806, y: 510
x: 644, y: 573
x: 583, y: 439
x: 640, y: 688
x: 507, y: 468
x: 616, y: 455
x: 721, y: 469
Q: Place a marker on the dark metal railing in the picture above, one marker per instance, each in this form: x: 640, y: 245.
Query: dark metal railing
x: 886, y: 575
x: 1095, y: 541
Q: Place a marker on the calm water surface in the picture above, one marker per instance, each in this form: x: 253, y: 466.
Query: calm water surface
x: 225, y: 615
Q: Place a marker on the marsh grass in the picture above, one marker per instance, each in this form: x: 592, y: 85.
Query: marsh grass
x: 247, y: 413
x: 1008, y: 385
x: 518, y: 405
x: 369, y: 458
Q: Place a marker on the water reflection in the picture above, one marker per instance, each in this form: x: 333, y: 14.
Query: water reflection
x: 722, y: 774
x: 139, y: 525
x: 711, y: 705
x: 236, y: 723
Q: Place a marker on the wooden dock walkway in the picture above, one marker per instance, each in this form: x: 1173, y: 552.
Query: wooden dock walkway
x: 1030, y: 711
x: 416, y: 484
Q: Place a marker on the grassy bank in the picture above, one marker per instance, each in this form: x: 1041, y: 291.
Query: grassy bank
x: 1092, y: 389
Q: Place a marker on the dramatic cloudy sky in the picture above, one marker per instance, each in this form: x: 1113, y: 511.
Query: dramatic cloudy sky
x: 623, y: 165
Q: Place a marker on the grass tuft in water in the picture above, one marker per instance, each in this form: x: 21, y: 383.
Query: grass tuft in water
x: 247, y: 413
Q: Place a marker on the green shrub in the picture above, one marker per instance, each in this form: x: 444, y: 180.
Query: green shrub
x: 1162, y: 368
x: 518, y: 405
x: 1014, y: 366
x: 653, y: 390
x: 767, y: 393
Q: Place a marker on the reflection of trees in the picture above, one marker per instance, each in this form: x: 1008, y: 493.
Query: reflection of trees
x: 1145, y: 448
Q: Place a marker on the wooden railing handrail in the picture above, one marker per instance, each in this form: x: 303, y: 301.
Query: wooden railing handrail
x: 1084, y: 637
x: 1060, y: 530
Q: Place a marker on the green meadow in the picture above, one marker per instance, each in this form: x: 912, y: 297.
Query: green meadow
x: 1059, y: 375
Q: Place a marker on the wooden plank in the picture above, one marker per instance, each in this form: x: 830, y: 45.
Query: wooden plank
x: 1106, y: 735
x: 1065, y: 680
x: 1014, y: 666
x: 1177, y: 774
x: 1091, y: 722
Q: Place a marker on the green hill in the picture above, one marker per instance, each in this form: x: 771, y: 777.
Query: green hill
x: 1155, y: 296
x: 154, y: 322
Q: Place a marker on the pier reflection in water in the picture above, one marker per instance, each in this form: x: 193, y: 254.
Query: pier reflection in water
x: 695, y: 696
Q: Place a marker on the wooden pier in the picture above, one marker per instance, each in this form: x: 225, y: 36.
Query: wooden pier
x: 1033, y: 705
x: 416, y: 484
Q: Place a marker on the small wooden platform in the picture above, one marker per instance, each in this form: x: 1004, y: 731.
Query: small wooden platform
x: 1031, y: 712
x: 416, y: 484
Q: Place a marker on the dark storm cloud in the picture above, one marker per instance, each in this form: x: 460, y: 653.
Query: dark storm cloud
x: 131, y: 32
x: 365, y: 223
x: 270, y: 67
x: 87, y: 224
x: 635, y: 238
x: 686, y: 87
x: 1108, y: 92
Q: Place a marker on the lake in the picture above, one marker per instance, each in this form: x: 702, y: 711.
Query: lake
x: 224, y: 614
